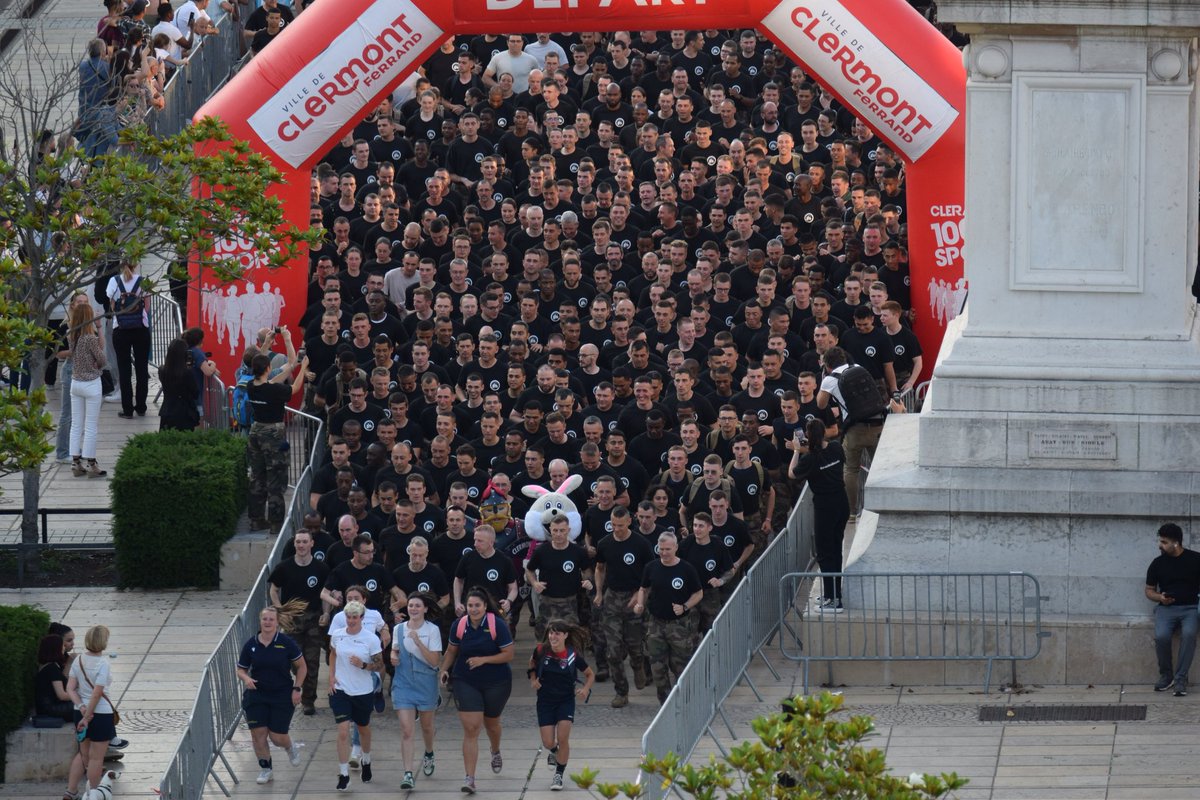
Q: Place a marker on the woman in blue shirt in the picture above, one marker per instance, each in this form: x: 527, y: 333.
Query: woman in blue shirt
x: 554, y: 673
x: 272, y: 692
x: 480, y: 649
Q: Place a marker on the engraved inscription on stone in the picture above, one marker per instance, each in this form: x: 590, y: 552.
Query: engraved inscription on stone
x: 1078, y: 181
x: 1073, y: 444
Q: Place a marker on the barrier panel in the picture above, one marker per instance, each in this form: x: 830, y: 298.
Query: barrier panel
x: 304, y: 445
x: 214, y: 414
x: 744, y: 626
x: 209, y: 67
x: 978, y: 616
x: 166, y: 325
x: 218, y: 708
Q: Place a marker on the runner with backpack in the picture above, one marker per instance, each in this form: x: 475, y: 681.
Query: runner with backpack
x: 479, y: 653
x: 554, y: 673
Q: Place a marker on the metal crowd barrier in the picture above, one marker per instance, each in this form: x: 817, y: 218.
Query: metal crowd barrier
x: 979, y: 616
x: 215, y: 412
x: 209, y: 66
x: 218, y: 708
x: 739, y: 633
x: 305, y: 445
x: 914, y: 398
x: 166, y: 325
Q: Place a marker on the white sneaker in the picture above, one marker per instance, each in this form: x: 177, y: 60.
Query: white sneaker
x: 115, y: 397
x: 355, y: 763
x: 294, y: 754
x: 264, y: 776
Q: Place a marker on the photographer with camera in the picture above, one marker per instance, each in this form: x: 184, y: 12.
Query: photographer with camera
x: 267, y: 449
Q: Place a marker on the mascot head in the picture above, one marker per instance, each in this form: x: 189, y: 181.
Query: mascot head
x: 547, y: 505
x: 494, y: 508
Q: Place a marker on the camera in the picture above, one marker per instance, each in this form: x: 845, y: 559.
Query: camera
x: 278, y: 330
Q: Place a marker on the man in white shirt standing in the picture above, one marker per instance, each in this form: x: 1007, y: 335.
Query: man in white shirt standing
x: 515, y: 61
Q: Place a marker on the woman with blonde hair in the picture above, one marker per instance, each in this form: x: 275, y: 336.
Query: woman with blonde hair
x: 272, y: 693
x: 87, y: 362
x: 95, y: 715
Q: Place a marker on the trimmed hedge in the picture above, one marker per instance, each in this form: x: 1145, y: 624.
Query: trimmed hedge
x: 21, y: 630
x: 176, y: 498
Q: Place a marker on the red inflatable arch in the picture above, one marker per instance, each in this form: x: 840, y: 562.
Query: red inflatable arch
x: 880, y: 58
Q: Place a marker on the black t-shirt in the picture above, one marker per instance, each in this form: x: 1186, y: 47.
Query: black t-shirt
x: 734, y: 535
x: 597, y: 523
x: 393, y: 546
x: 447, y: 552
x: 1177, y: 576
x: 624, y: 561
x: 304, y: 582
x: 710, y: 560
x: 267, y: 400
x: 375, y: 577
x: 493, y: 573
x: 669, y: 585
x: 431, y: 580
x: 750, y: 485
x: 905, y: 348
x: 871, y: 350
x: 560, y: 570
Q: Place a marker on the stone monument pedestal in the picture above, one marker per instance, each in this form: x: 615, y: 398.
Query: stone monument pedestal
x: 1062, y: 426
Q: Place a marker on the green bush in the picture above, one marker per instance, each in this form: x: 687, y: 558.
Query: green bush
x: 21, y: 630
x: 176, y: 498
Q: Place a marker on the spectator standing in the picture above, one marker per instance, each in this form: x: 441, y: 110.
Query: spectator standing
x: 87, y: 362
x: 1173, y: 581
x: 62, y: 444
x: 271, y: 693
x: 178, y: 410
x: 267, y: 448
x: 94, y: 713
x: 417, y: 652
x: 131, y: 338
x: 820, y: 463
x: 479, y: 653
x: 95, y: 109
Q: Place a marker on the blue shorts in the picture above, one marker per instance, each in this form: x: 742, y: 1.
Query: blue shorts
x: 551, y: 713
x: 100, y: 729
x: 264, y: 711
x: 355, y: 708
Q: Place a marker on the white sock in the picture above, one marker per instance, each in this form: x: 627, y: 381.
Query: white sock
x: 344, y: 769
x: 366, y: 757
x: 355, y: 752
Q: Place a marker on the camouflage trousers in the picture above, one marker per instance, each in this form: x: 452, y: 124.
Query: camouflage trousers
x: 267, y: 452
x: 757, y: 535
x: 564, y: 608
x: 311, y: 638
x: 624, y: 635
x: 708, y: 607
x: 669, y: 646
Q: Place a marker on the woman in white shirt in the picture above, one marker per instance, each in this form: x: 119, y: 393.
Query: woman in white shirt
x: 355, y: 653
x: 94, y: 714
x: 372, y: 621
x: 417, y: 651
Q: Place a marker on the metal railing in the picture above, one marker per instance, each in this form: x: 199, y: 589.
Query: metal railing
x: 210, y: 64
x: 166, y: 325
x: 978, y: 616
x: 214, y: 412
x: 306, y: 444
x: 217, y: 711
x: 740, y: 632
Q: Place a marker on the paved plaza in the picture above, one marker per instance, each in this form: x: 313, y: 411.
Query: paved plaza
x: 160, y: 641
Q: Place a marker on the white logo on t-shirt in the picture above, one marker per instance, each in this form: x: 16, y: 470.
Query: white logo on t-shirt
x: 493, y: 575
x: 677, y: 583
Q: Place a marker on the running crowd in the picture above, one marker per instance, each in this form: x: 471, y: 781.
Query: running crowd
x: 666, y: 264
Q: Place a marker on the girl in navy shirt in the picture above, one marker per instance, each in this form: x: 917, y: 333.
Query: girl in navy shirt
x: 554, y: 672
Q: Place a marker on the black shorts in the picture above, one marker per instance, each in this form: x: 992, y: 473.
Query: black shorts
x: 488, y: 699
x: 264, y: 711
x: 553, y: 712
x: 356, y: 708
x: 100, y: 729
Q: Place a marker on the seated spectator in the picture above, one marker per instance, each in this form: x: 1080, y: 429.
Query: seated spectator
x: 50, y: 698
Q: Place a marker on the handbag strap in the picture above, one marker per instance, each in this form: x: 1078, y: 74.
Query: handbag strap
x: 92, y: 686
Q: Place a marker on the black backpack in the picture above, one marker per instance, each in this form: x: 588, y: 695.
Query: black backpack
x: 861, y: 397
x: 129, y: 305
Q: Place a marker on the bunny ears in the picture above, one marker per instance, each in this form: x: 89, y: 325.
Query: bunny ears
x: 572, y: 483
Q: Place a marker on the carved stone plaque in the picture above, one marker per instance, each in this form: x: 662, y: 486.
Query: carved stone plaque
x: 1096, y: 445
